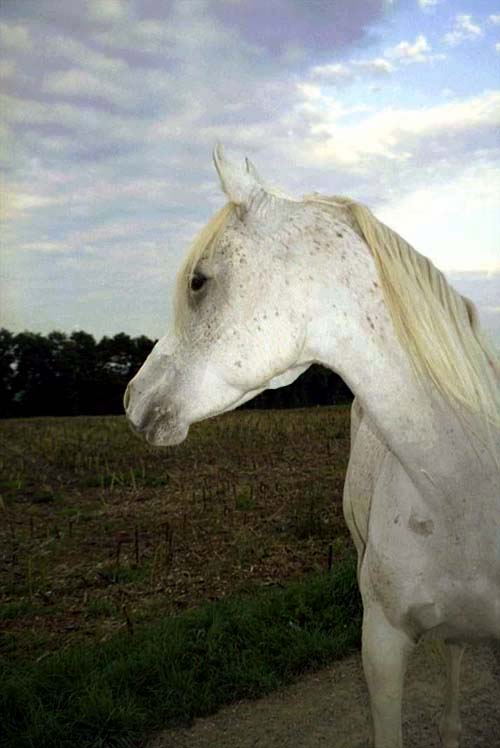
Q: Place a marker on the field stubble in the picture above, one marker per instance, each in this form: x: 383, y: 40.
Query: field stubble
x: 101, y: 532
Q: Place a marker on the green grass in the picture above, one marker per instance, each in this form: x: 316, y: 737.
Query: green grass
x: 100, y: 609
x: 171, y: 671
x: 16, y: 608
x: 104, y: 541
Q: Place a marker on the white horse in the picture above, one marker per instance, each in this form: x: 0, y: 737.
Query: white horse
x: 273, y: 284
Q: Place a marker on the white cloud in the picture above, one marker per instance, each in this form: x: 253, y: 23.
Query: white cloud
x: 150, y: 190
x: 81, y: 55
x: 15, y: 37
x: 309, y: 90
x: 395, y: 133
x: 189, y: 34
x: 107, y: 233
x: 449, y: 220
x: 44, y: 246
x: 377, y: 66
x: 292, y: 54
x: 107, y: 10
x: 144, y: 35
x: 332, y: 73
x: 82, y: 121
x: 494, y: 19
x: 424, y: 4
x: 341, y: 73
x: 7, y: 69
x: 404, y: 53
x: 497, y: 47
x: 92, y: 74
x: 463, y: 29
x: 407, y: 51
x: 484, y: 289
x: 18, y: 202
x: 81, y: 83
x: 91, y: 182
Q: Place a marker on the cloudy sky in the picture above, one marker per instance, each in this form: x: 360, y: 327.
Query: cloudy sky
x: 110, y: 110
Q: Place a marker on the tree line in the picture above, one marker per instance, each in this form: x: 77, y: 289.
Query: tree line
x: 59, y: 374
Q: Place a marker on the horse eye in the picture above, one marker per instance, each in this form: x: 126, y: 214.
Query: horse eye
x: 197, y: 281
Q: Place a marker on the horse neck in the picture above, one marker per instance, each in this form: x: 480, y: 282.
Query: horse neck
x: 353, y: 334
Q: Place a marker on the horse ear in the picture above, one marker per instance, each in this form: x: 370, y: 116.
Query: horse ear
x: 241, y: 183
x: 253, y: 171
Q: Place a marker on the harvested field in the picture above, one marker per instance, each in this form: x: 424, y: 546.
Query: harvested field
x: 101, y: 532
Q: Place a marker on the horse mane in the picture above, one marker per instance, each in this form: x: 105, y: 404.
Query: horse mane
x: 438, y: 328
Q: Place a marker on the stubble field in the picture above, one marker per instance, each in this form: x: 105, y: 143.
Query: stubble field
x: 100, y: 532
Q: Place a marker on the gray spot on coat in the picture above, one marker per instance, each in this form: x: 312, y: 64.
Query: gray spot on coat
x: 421, y: 527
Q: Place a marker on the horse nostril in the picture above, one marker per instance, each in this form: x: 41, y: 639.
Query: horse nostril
x: 126, y: 397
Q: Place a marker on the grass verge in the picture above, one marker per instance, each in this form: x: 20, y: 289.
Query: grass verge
x: 183, y: 667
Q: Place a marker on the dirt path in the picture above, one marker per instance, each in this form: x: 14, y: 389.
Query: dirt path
x: 330, y: 708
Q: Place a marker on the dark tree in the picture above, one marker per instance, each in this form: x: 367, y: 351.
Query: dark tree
x: 120, y: 357
x: 34, y: 382
x: 316, y: 386
x: 59, y: 374
x: 7, y: 371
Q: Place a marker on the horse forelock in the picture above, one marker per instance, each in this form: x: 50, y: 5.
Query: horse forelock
x: 205, y: 241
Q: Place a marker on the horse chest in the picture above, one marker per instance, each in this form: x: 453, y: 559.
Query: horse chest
x: 435, y: 566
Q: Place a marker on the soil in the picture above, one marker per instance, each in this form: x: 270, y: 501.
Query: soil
x: 330, y: 708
